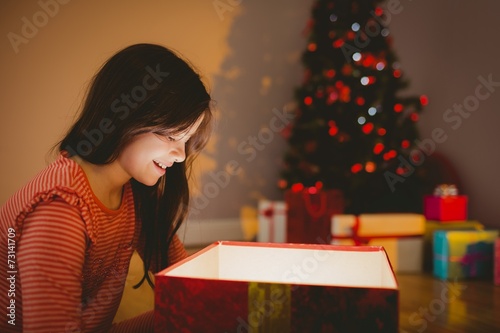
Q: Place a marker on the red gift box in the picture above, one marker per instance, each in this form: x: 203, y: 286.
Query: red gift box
x: 445, y: 208
x: 309, y: 214
x: 497, y: 262
x: 285, y: 288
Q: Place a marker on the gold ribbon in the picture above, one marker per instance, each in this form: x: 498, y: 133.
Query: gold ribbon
x: 269, y: 307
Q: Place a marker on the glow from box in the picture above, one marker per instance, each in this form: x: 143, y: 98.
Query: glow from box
x: 343, y: 266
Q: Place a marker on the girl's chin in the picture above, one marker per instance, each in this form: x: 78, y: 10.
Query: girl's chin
x: 151, y: 181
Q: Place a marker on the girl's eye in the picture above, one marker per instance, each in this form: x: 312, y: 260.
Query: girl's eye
x: 171, y: 139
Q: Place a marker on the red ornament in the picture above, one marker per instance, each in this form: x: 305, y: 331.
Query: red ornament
x: 405, y: 144
x: 332, y: 97
x: 330, y: 73
x: 379, y: 11
x: 378, y: 148
x: 398, y: 107
x: 370, y: 167
x: 416, y: 158
x: 389, y: 155
x: 297, y: 187
x: 360, y: 100
x: 312, y: 190
x: 369, y: 60
x: 356, y: 168
x: 367, y: 128
x: 424, y: 100
x: 333, y: 128
x: 414, y: 117
x: 312, y: 47
x: 282, y: 183
x: 308, y: 100
x: 381, y: 131
x: 319, y: 185
x: 396, y: 73
x: 345, y: 94
x: 338, y: 43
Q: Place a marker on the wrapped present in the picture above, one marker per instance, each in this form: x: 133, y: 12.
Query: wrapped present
x: 399, y: 234
x: 497, y: 262
x: 361, y: 229
x: 432, y: 226
x: 309, y: 214
x: 405, y: 254
x: 445, y: 204
x: 286, y: 288
x: 272, y: 221
x: 464, y: 254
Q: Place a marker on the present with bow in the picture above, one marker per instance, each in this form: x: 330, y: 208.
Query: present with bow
x: 445, y: 205
x: 272, y: 221
x: 464, y: 254
x: 399, y: 234
x: 309, y: 214
x: 433, y: 226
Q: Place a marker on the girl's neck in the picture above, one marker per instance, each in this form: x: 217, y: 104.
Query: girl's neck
x: 106, y: 181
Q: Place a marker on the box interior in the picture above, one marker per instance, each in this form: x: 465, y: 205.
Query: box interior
x: 327, y: 265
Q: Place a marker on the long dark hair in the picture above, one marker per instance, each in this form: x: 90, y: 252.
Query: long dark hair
x: 145, y: 88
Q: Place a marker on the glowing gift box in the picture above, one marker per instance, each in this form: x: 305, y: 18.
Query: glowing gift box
x: 285, y: 288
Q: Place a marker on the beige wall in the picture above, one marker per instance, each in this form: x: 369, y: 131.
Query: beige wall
x: 250, y: 54
x: 44, y: 77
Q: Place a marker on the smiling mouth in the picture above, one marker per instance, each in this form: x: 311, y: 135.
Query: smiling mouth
x: 161, y: 165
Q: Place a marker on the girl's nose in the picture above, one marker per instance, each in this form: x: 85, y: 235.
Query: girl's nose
x: 179, y: 152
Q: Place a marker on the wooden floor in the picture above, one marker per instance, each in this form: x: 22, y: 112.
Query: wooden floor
x: 430, y: 305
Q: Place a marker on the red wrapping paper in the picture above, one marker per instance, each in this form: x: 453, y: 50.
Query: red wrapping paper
x: 208, y: 306
x: 213, y: 305
x: 445, y: 208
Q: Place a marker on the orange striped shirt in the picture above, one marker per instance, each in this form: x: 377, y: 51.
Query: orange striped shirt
x: 66, y: 255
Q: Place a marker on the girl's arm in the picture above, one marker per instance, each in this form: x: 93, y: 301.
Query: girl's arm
x: 51, y: 254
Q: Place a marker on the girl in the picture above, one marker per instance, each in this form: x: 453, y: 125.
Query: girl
x: 118, y: 184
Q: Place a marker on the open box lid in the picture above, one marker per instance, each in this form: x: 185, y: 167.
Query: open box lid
x: 307, y: 264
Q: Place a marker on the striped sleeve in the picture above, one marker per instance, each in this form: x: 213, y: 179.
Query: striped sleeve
x: 51, y: 257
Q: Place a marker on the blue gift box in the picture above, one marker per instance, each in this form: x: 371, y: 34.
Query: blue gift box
x: 463, y: 254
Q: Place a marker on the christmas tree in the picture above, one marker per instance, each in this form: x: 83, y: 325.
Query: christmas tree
x: 353, y: 129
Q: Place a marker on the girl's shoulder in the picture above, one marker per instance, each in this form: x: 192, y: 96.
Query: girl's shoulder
x: 62, y: 179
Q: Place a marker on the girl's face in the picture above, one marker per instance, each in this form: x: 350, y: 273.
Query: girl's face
x: 148, y: 156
